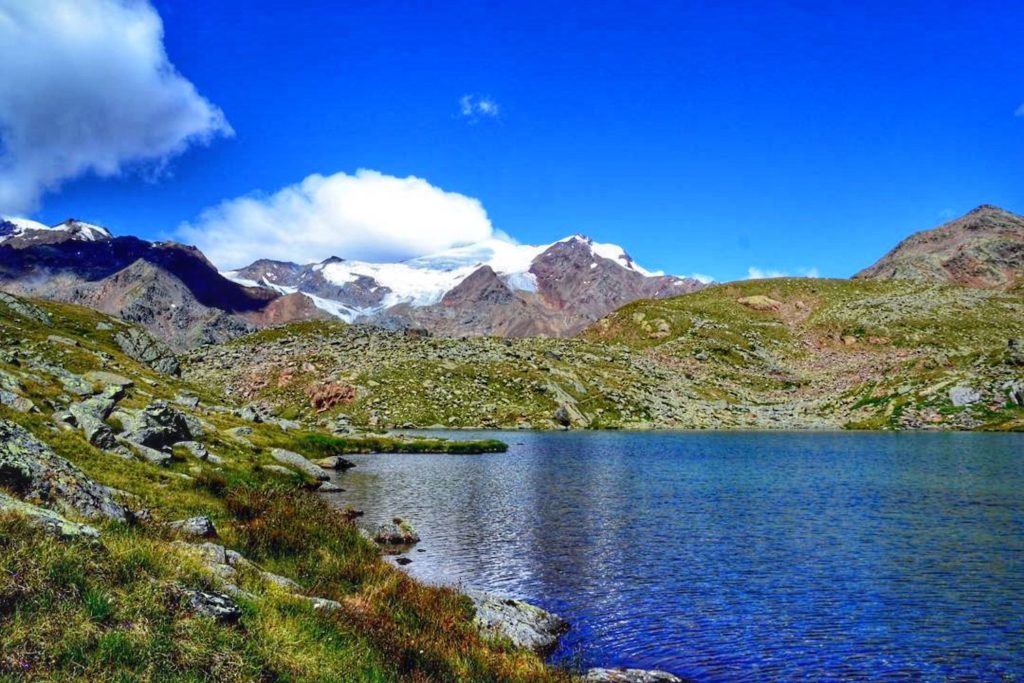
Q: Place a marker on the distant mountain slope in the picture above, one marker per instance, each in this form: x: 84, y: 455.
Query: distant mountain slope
x: 494, y: 287
x: 169, y: 288
x: 984, y: 248
x: 793, y: 353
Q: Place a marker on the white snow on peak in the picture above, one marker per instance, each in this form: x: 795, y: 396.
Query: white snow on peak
x: 425, y: 280
x: 86, y: 231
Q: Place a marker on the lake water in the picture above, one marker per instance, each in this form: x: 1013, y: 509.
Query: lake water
x: 735, y: 556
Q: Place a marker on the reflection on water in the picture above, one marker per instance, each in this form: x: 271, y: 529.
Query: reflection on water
x: 735, y: 556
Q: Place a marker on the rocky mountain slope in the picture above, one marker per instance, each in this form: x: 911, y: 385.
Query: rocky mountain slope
x: 787, y: 353
x: 493, y: 288
x: 151, y: 530
x: 170, y: 289
x: 984, y: 248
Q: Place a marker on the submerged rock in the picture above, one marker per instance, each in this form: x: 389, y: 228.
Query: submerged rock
x: 630, y: 676
x: 31, y: 470
x: 525, y: 625
x: 397, y: 532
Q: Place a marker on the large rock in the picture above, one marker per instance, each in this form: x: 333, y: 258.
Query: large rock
x: 15, y: 402
x: 525, y: 625
x: 630, y: 676
x: 199, y: 527
x: 216, y: 606
x: 300, y: 463
x: 90, y: 415
x: 963, y: 396
x: 396, y: 532
x: 31, y: 470
x: 139, y: 345
x: 159, y: 425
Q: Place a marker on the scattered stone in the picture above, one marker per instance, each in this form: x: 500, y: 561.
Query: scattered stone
x: 90, y: 415
x: 963, y: 396
x: 104, y: 327
x: 323, y: 603
x: 281, y: 581
x: 187, y: 400
x: 630, y: 676
x: 300, y: 463
x: 277, y: 469
x: 63, y: 341
x: 525, y: 625
x: 150, y: 455
x: 217, y: 606
x: 137, y: 344
x: 329, y: 487
x: 403, y: 561
x: 397, y: 532
x: 200, y: 527
x: 15, y: 402
x: 250, y: 414
x: 49, y: 520
x: 31, y: 470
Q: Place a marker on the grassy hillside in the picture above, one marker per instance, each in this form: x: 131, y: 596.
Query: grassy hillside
x: 115, y: 600
x: 787, y: 353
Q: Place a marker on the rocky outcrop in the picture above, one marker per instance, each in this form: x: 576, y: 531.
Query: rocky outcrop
x: 32, y: 471
x: 216, y: 606
x: 139, y: 345
x: 984, y: 248
x: 25, y: 309
x: 198, y: 527
x: 525, y: 625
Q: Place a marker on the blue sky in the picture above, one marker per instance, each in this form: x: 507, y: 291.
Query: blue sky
x: 703, y: 137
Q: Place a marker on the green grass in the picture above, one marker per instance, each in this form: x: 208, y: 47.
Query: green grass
x: 324, y: 446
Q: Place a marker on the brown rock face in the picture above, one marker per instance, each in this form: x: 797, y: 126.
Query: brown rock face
x: 983, y: 249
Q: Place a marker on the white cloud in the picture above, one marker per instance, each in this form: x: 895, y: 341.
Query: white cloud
x: 475, y: 107
x: 366, y: 216
x: 1020, y: 110
x: 701, y: 277
x: 86, y: 87
x: 755, y: 273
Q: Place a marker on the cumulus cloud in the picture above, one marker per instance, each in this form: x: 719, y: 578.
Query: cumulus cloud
x: 367, y: 216
x: 475, y: 107
x: 86, y: 87
x: 755, y: 273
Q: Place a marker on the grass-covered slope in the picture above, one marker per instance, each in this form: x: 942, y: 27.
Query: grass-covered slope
x: 787, y: 353
x: 315, y: 602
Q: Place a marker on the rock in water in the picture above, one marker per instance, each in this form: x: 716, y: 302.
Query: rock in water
x: 300, y: 463
x: 525, y: 625
x: 31, y: 470
x: 398, y: 532
x: 145, y: 349
x: 630, y: 676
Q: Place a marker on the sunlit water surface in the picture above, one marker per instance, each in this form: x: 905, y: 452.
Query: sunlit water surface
x: 735, y: 556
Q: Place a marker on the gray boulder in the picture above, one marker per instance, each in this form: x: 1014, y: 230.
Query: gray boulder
x: 300, y: 463
x: 90, y: 415
x: 199, y: 527
x: 159, y: 425
x: 525, y: 625
x: 31, y: 470
x: 963, y: 396
x: 217, y: 606
x: 15, y: 402
x: 137, y: 344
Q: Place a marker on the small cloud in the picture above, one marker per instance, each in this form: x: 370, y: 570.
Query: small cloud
x: 755, y: 273
x: 701, y: 277
x: 476, y: 107
x: 1020, y: 111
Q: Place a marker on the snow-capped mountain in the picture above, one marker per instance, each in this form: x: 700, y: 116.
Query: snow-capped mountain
x: 19, y: 232
x: 491, y: 287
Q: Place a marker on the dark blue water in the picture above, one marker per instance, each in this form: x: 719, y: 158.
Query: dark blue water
x: 736, y: 556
